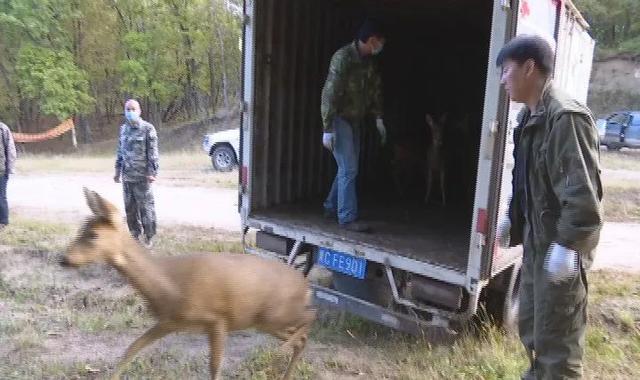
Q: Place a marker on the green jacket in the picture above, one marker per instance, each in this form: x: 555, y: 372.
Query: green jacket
x: 353, y: 88
x: 557, y: 188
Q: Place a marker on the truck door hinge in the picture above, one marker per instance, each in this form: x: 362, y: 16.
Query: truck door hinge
x: 481, y: 240
x: 495, y: 126
x: 506, y: 4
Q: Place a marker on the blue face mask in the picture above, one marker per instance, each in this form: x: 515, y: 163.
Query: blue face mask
x: 132, y: 116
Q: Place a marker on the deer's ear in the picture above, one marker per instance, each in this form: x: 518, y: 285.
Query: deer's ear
x: 99, y: 206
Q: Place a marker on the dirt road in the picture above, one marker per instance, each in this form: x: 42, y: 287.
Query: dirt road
x: 61, y: 195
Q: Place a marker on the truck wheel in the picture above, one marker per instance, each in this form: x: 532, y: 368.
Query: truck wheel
x: 503, y: 306
x: 223, y: 158
x: 613, y: 147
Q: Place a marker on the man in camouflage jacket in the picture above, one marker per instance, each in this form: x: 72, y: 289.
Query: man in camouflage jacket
x: 555, y: 209
x: 352, y: 90
x: 137, y: 167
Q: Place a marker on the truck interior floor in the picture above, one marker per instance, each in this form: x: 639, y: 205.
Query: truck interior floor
x: 428, y: 233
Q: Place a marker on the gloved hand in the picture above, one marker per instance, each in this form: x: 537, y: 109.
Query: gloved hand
x: 503, y: 233
x: 382, y: 130
x: 561, y: 263
x: 328, y: 140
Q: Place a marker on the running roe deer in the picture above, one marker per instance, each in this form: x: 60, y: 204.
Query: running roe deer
x: 211, y: 293
x: 435, y: 156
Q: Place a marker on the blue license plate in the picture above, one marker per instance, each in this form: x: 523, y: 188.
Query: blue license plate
x: 343, y: 263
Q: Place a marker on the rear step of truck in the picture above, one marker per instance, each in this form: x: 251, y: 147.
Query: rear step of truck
x: 402, y: 322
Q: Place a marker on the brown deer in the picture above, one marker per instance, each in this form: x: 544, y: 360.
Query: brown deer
x: 435, y: 156
x: 212, y: 294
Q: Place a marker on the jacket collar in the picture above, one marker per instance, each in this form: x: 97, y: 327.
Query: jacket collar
x: 537, y: 115
x: 355, y: 53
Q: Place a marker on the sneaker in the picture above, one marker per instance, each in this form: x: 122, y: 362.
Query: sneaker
x: 147, y: 242
x: 356, y: 227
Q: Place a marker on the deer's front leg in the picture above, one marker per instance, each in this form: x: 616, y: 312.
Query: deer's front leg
x: 150, y: 336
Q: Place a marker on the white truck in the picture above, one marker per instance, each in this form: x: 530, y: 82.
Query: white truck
x: 424, y: 264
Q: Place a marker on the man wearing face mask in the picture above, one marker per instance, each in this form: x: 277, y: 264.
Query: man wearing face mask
x: 137, y: 167
x: 352, y: 90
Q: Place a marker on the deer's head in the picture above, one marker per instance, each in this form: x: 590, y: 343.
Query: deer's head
x: 99, y: 238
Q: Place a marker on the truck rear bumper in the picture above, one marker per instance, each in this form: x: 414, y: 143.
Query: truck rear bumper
x: 329, y: 298
x: 413, y: 325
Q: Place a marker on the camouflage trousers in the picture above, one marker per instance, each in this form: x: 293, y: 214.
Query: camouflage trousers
x: 140, y: 208
x: 552, y: 320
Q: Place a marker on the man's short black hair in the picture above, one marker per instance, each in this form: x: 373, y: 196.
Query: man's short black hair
x: 371, y: 27
x: 523, y: 48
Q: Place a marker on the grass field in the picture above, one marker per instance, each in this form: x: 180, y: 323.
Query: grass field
x: 57, y: 323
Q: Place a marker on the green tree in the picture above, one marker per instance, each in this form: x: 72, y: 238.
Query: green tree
x: 53, y: 81
x: 83, y: 58
x: 615, y: 23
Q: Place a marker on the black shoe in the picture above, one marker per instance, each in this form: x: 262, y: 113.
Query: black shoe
x: 147, y: 242
x: 356, y: 227
x: 529, y: 375
x: 330, y: 214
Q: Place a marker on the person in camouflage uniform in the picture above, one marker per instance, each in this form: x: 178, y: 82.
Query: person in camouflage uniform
x: 137, y: 167
x: 352, y: 90
x: 7, y: 167
x: 555, y: 210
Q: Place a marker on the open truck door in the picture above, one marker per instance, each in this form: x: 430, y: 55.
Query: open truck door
x: 530, y: 17
x: 563, y: 27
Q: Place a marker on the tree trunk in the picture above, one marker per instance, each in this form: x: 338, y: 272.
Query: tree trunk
x: 212, y: 81
x: 223, y: 61
x: 74, y: 141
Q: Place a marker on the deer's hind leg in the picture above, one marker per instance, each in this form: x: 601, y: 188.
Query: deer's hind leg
x: 217, y: 337
x: 429, y: 183
x: 443, y: 187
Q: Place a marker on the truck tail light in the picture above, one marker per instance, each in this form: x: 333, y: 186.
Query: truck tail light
x: 482, y: 222
x: 244, y: 176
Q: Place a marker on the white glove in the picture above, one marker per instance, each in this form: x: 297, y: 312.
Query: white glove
x: 503, y: 233
x: 561, y: 263
x: 382, y: 130
x: 328, y: 140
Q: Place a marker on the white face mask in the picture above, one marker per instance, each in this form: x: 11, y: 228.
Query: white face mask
x: 378, y: 50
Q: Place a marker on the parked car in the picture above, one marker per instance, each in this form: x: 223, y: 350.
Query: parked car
x: 223, y: 148
x: 622, y: 130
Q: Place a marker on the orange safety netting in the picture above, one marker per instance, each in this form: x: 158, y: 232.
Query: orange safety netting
x: 52, y: 133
